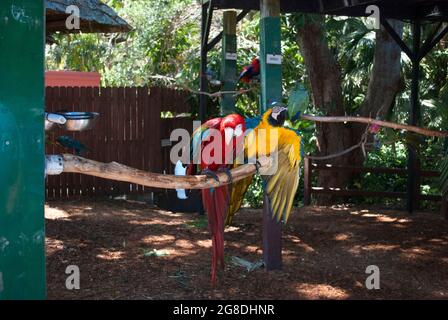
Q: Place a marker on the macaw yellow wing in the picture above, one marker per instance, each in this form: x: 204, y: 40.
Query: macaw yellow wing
x: 281, y: 187
x: 238, y: 190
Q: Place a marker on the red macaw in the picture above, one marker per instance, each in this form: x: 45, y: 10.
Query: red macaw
x: 217, y: 143
x: 250, y: 72
x: 216, y: 200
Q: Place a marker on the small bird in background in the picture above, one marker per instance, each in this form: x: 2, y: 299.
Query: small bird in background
x: 212, y: 77
x: 70, y: 143
x: 375, y: 128
x: 250, y: 72
x: 377, y: 142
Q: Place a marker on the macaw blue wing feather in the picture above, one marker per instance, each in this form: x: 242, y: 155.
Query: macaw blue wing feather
x: 252, y: 123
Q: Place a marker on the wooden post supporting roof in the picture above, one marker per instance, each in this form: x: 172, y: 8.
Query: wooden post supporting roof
x: 206, y: 20
x: 22, y: 188
x: 271, y: 91
x: 228, y: 61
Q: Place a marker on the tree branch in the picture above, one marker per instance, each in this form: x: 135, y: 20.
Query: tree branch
x: 396, y: 126
x: 120, y: 172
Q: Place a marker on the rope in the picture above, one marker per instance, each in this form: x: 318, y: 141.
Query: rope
x: 339, y: 154
x: 362, y: 144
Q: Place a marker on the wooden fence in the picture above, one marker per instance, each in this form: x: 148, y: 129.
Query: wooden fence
x: 309, y: 190
x: 129, y: 130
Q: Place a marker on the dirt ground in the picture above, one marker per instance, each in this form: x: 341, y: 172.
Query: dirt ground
x: 325, y: 254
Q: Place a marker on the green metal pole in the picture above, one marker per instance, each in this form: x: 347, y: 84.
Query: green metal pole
x: 22, y: 234
x: 228, y: 65
x: 271, y: 90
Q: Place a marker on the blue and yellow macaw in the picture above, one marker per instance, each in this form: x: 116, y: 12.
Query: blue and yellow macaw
x: 270, y: 138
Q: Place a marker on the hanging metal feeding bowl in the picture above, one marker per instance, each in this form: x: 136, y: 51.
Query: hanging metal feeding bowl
x: 49, y: 125
x: 52, y: 120
x: 71, y: 121
x: 79, y: 121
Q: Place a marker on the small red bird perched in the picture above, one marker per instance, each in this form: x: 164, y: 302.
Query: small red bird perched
x: 250, y: 72
x: 375, y: 128
x: 219, y: 142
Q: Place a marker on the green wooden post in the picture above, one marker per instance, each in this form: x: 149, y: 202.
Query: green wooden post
x: 22, y: 234
x: 228, y: 65
x: 271, y: 90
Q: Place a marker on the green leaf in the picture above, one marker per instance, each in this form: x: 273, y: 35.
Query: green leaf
x: 298, y: 100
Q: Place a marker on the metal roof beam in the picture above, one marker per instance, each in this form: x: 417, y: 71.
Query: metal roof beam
x: 397, y: 39
x: 433, y: 41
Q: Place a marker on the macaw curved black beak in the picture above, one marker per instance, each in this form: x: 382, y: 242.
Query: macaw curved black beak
x: 279, y: 112
x: 282, y: 116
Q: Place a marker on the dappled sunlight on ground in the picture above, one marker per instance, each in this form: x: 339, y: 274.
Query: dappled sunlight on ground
x: 55, y: 213
x: 342, y: 237
x: 299, y: 243
x: 127, y: 250
x: 380, y: 247
x: 53, y: 246
x: 155, y: 222
x: 321, y: 291
x: 111, y: 255
x: 184, y: 244
x: 158, y: 239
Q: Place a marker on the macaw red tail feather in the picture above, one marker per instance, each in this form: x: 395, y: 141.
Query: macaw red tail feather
x: 216, y: 203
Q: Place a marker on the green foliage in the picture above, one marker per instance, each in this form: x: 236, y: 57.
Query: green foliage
x: 74, y: 52
x: 165, y: 36
x: 254, y: 195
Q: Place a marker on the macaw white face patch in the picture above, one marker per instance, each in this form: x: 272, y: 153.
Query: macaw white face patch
x: 238, y: 130
x: 276, y: 111
x: 228, y: 135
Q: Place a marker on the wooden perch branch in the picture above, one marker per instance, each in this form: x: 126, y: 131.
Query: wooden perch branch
x: 396, y: 126
x: 120, y: 172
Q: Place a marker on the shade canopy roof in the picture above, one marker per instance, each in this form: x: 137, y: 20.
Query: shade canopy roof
x: 394, y: 9
x: 95, y: 16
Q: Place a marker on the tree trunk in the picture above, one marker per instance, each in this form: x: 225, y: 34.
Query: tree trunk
x: 385, y: 82
x: 325, y: 77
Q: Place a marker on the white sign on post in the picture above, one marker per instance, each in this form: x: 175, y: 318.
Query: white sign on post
x: 274, y: 59
x: 230, y: 56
